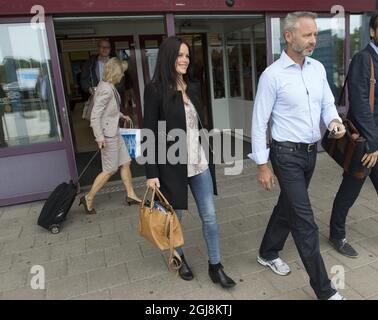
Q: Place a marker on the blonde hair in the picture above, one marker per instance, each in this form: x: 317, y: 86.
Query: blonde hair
x: 113, y: 70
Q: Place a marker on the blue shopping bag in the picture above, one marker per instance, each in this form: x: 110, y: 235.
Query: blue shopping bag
x: 131, y: 137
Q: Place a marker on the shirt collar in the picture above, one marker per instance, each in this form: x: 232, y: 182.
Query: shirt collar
x: 374, y: 46
x: 288, y: 62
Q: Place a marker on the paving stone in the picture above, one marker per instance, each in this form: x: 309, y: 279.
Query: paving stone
x: 70, y: 248
x: 5, y: 262
x: 48, y: 239
x: 209, y: 293
x: 13, y: 279
x: 243, y: 264
x: 359, y: 212
x: 295, y: 280
x: 17, y: 211
x: 19, y: 245
x: 27, y: 259
x: 367, y: 227
x: 297, y: 294
x: 365, y: 257
x: 227, y: 230
x: 107, y: 277
x: 146, y: 268
x: 256, y: 208
x: 67, y: 287
x: 364, y: 280
x: 254, y: 287
x: 99, y: 295
x: 86, y: 262
x: 26, y: 293
x: 374, y: 265
x: 85, y: 231
x: 347, y: 292
x: 371, y: 203
x: 157, y: 287
x: 102, y: 242
x: 10, y: 234
x: 121, y: 254
x: 251, y: 223
x: 370, y: 244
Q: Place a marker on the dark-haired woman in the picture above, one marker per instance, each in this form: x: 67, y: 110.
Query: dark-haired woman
x: 173, y: 98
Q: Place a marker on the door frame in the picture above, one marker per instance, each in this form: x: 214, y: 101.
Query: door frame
x: 66, y: 143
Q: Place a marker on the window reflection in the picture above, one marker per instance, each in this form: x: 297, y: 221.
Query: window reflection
x: 359, y: 32
x: 216, y: 51
x: 235, y: 63
x: 28, y: 111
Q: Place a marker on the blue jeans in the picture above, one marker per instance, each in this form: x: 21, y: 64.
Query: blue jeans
x: 202, y: 190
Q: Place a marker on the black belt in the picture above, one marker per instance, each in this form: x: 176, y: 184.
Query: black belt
x: 309, y: 147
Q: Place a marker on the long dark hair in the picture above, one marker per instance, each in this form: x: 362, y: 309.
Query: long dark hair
x: 165, y: 73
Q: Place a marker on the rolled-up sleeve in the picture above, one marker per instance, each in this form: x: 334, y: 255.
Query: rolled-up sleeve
x: 262, y: 109
x: 328, y: 107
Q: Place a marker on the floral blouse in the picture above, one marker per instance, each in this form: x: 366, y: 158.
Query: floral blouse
x: 197, y: 162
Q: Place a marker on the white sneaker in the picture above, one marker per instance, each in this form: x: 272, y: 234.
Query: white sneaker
x: 277, y: 265
x: 337, y: 296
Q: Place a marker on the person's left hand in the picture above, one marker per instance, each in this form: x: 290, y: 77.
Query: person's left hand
x: 127, y: 118
x: 338, y: 127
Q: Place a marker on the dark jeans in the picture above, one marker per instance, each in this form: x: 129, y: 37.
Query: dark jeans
x: 348, y: 193
x: 293, y: 213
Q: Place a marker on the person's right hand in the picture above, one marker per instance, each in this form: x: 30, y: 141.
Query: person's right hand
x: 152, y: 183
x: 370, y: 159
x: 101, y: 144
x: 265, y: 177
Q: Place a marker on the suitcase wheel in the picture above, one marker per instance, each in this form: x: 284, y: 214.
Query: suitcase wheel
x: 54, y: 229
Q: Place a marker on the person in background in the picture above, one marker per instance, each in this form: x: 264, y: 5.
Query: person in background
x: 367, y: 124
x: 105, y: 124
x: 93, y: 70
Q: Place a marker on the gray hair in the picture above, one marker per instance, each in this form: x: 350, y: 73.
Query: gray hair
x: 291, y: 20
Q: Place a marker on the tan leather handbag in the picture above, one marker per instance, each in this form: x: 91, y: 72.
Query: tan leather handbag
x: 161, y: 227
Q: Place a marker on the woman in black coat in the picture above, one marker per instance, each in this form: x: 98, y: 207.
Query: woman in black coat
x: 172, y: 102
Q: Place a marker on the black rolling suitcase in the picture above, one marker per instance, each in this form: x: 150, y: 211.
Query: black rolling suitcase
x: 59, y: 202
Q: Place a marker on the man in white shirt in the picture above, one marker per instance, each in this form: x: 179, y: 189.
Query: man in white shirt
x: 295, y: 94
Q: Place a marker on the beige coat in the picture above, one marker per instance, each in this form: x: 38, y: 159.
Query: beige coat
x: 105, y: 113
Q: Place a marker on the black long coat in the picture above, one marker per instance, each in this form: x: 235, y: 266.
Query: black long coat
x: 173, y: 178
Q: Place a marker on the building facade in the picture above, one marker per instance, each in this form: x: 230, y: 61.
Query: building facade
x: 44, y: 140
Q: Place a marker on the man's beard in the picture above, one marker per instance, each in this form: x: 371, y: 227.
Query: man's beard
x: 302, y: 51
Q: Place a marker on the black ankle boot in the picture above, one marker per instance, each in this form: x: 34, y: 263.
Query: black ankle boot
x: 184, y: 272
x: 217, y: 275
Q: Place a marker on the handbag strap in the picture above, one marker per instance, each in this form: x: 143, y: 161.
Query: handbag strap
x: 160, y: 196
x: 145, y: 196
x: 174, y: 264
x: 88, y: 164
x: 131, y: 124
x: 371, y: 89
x: 372, y: 85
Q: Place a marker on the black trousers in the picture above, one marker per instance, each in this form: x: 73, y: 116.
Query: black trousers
x: 348, y: 193
x: 293, y: 213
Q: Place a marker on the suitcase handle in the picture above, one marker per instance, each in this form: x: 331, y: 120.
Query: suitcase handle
x: 88, y: 164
